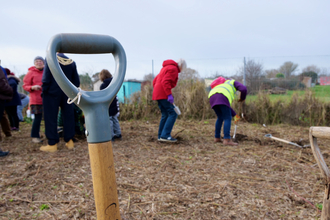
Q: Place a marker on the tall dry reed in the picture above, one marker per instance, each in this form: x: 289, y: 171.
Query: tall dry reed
x: 191, y: 97
x: 304, y: 110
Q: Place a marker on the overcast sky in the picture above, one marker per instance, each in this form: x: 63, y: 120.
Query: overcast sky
x: 212, y: 35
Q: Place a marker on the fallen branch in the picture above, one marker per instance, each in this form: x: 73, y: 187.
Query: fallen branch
x: 30, y: 201
x: 178, y: 133
x: 302, y: 197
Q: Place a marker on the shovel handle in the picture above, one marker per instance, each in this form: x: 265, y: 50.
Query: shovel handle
x: 104, y: 181
x: 320, y: 132
x: 282, y: 140
x: 314, y: 133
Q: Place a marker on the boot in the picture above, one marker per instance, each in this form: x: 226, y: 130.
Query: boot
x: 229, y: 142
x: 69, y: 144
x: 49, y: 148
x: 216, y: 140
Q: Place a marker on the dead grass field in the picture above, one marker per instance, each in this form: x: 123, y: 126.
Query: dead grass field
x: 193, y: 179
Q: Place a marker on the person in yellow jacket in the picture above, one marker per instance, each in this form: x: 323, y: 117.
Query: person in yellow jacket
x: 221, y: 97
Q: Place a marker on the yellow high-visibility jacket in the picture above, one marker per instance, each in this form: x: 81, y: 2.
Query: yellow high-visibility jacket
x: 227, y: 89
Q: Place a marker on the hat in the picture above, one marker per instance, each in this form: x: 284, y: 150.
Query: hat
x: 217, y: 81
x: 39, y: 58
x: 8, y: 72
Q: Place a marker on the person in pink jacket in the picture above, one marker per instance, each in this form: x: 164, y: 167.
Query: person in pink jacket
x: 163, y: 84
x: 32, y: 84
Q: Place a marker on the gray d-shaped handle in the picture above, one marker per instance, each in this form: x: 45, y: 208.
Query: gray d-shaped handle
x: 94, y: 104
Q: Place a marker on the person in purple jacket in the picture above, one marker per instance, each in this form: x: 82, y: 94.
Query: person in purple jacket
x: 221, y: 97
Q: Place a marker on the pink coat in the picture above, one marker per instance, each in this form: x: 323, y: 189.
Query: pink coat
x: 33, y: 77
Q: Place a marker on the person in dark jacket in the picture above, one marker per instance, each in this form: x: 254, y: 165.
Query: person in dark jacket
x: 6, y: 95
x: 106, y: 77
x: 221, y: 97
x: 53, y: 98
x: 163, y: 84
x: 11, y: 107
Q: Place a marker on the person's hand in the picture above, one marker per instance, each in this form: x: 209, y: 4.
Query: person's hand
x: 240, y: 100
x: 36, y: 87
x: 170, y: 98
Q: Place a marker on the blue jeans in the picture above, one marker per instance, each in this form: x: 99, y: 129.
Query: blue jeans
x: 224, y: 115
x: 24, y: 101
x: 114, y: 126
x: 168, y: 118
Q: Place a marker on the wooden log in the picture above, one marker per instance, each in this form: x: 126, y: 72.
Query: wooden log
x: 104, y: 181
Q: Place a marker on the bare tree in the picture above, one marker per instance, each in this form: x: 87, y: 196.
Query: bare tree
x: 188, y: 73
x: 253, y: 70
x: 253, y: 74
x: 288, y: 69
x: 324, y: 72
x: 271, y: 73
x: 311, y: 68
x: 148, y: 77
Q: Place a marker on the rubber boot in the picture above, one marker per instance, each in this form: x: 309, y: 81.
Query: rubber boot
x: 70, y: 144
x: 49, y: 148
x: 216, y: 140
x: 229, y: 142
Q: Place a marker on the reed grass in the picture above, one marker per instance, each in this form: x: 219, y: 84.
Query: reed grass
x: 305, y: 109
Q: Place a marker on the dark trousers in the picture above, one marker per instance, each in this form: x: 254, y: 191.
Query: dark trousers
x: 5, y: 125
x: 51, y: 106
x: 12, y: 116
x: 35, y: 131
x: 2, y: 109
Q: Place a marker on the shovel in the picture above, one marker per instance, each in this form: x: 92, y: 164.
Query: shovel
x: 285, y: 141
x: 95, y: 106
x: 236, y: 119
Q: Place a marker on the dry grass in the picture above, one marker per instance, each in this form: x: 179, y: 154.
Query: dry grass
x: 193, y: 179
x: 192, y: 99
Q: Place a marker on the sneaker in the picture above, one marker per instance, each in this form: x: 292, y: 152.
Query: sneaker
x: 36, y: 140
x: 3, y: 153
x: 169, y: 139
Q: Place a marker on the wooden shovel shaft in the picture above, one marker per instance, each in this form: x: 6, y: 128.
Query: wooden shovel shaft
x: 104, y: 181
x: 282, y: 140
x: 314, y: 133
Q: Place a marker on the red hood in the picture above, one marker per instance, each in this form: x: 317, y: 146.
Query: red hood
x: 170, y: 62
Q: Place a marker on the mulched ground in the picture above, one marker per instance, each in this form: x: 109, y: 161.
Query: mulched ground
x: 193, y: 179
